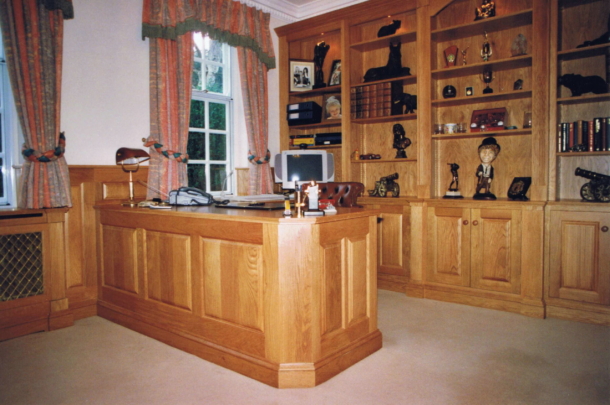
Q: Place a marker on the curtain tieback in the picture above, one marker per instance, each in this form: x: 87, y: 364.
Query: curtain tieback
x: 48, y: 156
x: 257, y: 160
x: 170, y: 154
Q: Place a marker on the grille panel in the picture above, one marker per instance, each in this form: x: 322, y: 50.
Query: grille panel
x: 20, y: 266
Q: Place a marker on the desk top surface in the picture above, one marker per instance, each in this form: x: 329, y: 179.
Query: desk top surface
x: 230, y: 214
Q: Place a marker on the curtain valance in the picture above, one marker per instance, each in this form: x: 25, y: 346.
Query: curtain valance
x: 227, y: 21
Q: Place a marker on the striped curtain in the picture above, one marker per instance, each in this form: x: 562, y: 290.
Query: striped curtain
x: 240, y: 26
x: 32, y: 33
x: 171, y: 69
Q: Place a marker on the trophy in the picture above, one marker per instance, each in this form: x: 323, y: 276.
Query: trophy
x: 487, y: 77
x: 464, y: 56
x: 320, y: 51
x: 454, y: 191
x: 486, y: 51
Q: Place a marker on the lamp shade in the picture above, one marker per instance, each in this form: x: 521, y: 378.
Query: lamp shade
x: 127, y: 156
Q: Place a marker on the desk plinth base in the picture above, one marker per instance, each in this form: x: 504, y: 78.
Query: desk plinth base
x: 290, y: 375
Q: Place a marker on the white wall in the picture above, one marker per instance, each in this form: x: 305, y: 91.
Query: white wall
x: 105, y: 96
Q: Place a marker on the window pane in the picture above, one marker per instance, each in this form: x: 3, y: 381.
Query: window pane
x: 218, y: 173
x: 196, y: 175
x: 1, y: 178
x: 197, y: 114
x: 214, y: 79
x: 213, y: 51
x: 218, y: 116
x: 218, y: 147
x: 196, y: 146
x: 197, y: 76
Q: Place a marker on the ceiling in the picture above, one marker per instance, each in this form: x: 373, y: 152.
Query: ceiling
x: 295, y: 10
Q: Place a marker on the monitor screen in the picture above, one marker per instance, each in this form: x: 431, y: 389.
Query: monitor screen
x: 294, y: 167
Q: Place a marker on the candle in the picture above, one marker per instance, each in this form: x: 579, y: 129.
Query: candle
x: 312, y: 191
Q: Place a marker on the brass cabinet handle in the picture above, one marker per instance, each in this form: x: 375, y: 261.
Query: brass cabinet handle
x: 604, y: 229
x: 465, y: 222
x: 475, y: 223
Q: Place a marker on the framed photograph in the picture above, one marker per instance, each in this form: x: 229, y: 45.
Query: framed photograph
x: 519, y: 188
x: 335, y: 74
x: 332, y: 106
x: 301, y: 78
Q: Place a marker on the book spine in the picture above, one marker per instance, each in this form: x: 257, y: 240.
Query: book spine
x: 606, y: 130
x: 565, y: 135
x: 590, y: 136
x: 597, y: 134
x: 570, y: 136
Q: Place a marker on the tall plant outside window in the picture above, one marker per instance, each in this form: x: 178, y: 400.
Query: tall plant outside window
x: 210, y: 137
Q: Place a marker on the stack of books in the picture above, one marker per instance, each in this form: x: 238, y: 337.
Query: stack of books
x: 584, y: 135
x: 374, y: 100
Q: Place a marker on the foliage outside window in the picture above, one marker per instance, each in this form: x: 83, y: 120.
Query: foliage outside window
x: 210, y: 138
x: 6, y: 115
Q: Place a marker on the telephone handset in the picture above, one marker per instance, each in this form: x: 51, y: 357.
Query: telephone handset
x: 190, y: 196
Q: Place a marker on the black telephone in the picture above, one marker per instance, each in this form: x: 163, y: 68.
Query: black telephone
x: 190, y: 196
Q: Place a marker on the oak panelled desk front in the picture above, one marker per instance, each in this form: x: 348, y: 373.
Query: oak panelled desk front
x: 289, y: 302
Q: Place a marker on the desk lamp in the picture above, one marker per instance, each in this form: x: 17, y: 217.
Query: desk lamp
x: 130, y: 160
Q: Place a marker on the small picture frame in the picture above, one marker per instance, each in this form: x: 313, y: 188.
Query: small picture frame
x: 302, y: 75
x: 332, y: 106
x: 469, y: 91
x: 518, y: 188
x: 335, y: 74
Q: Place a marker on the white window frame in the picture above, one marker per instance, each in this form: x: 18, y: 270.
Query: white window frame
x: 9, y: 136
x: 225, y: 98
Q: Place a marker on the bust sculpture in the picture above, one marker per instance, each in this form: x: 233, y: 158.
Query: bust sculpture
x: 400, y: 141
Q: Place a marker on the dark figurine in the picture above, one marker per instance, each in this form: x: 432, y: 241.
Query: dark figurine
x: 603, y: 39
x: 319, y: 53
x: 453, y: 191
x: 392, y: 69
x: 488, y: 151
x: 386, y: 185
x: 487, y: 9
x: 518, y: 85
x: 389, y: 29
x: 406, y: 100
x: 400, y: 141
x: 580, y: 85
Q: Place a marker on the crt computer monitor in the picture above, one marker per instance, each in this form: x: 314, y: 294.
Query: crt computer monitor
x: 294, y: 167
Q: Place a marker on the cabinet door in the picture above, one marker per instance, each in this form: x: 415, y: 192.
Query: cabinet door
x: 393, y: 246
x: 448, y: 246
x: 580, y: 256
x: 496, y: 250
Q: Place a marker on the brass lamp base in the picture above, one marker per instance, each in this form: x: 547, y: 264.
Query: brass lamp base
x: 129, y: 203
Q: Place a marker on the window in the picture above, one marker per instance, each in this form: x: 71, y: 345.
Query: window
x: 210, y: 137
x: 7, y: 115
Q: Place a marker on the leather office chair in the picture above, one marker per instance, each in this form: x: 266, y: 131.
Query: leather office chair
x: 345, y: 194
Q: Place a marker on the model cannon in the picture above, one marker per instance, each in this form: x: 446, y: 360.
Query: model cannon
x: 386, y: 185
x: 597, y: 189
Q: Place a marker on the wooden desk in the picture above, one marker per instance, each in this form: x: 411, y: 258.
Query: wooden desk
x: 289, y: 302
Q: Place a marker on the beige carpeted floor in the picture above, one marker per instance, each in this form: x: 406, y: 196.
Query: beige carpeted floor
x: 433, y: 353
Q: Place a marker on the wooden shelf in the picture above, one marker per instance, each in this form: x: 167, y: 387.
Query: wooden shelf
x: 583, y: 154
x: 384, y: 42
x: 485, y: 134
x: 317, y: 147
x: 383, y: 160
x: 316, y: 92
x: 493, y: 24
x: 478, y: 68
x: 587, y: 98
x: 585, y: 52
x: 389, y: 118
x: 405, y: 80
x: 451, y: 102
x: 327, y: 123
